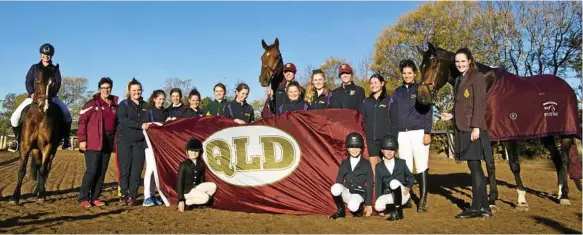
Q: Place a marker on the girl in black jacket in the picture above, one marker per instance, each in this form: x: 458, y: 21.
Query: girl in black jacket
x: 318, y: 94
x: 156, y: 113
x: 294, y: 101
x: 217, y: 106
x: 176, y: 108
x: 193, y: 110
x: 191, y: 186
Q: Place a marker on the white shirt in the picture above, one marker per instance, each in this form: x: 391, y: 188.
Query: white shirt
x: 193, y: 161
x: 390, y: 164
x: 176, y: 105
x: 354, y: 161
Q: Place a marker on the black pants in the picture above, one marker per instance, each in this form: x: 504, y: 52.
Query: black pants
x: 96, y: 163
x: 479, y: 194
x: 131, y: 157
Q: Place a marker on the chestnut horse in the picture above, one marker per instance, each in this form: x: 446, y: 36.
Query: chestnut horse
x: 438, y: 68
x: 271, y: 74
x: 40, y: 134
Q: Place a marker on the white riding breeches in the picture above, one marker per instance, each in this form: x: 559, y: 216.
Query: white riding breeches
x: 353, y: 201
x: 411, y: 148
x: 15, y: 118
x: 150, y: 180
x: 200, y: 194
x: 383, y: 200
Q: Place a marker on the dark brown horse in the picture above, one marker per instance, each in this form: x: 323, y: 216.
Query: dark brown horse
x: 271, y: 73
x: 40, y: 134
x: 438, y: 68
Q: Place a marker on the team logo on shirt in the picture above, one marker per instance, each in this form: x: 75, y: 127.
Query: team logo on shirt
x: 352, y: 92
x: 208, y: 113
x: 413, y: 96
x: 251, y: 155
x: 382, y: 106
x: 466, y: 93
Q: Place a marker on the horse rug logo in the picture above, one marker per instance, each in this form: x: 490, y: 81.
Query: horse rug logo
x: 550, y: 109
x: 251, y: 155
x: 513, y: 116
x: 466, y: 93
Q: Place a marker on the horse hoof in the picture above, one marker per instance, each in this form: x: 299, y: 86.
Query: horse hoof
x: 565, y: 202
x: 494, y: 208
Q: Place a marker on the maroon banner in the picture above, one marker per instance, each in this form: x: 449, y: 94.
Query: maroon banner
x: 533, y: 107
x: 281, y: 164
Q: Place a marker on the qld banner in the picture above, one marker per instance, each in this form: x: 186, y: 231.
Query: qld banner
x: 281, y: 164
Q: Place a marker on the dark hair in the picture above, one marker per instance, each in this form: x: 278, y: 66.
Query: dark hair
x: 155, y: 95
x: 242, y: 86
x: 407, y: 64
x: 293, y: 83
x: 176, y: 90
x: 194, y: 92
x: 130, y: 84
x: 105, y: 80
x: 383, y: 89
x: 470, y: 57
x: 221, y: 86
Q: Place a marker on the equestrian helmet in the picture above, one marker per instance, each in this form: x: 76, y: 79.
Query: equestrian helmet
x: 389, y: 142
x: 354, y: 140
x: 47, y: 49
x: 193, y: 144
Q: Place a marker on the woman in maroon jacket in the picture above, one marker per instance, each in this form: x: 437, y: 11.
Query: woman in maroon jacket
x: 97, y: 126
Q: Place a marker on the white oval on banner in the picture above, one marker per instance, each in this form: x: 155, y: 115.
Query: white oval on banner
x: 251, y: 155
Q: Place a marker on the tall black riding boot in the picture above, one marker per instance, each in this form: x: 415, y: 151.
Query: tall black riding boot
x: 397, y: 201
x: 340, y: 212
x: 67, y: 136
x: 423, y: 191
x: 14, y: 144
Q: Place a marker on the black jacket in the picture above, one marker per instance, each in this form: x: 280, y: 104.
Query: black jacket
x: 358, y: 181
x: 281, y: 97
x: 234, y: 110
x: 320, y: 102
x: 175, y: 111
x: 289, y: 106
x: 189, y: 176
x: 376, y: 116
x: 156, y: 115
x: 131, y: 117
x: 411, y: 115
x: 347, y: 97
x: 383, y: 177
x: 216, y: 108
x: 189, y: 112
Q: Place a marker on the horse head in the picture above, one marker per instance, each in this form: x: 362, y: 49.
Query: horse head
x: 44, y: 84
x: 436, y: 69
x: 271, y: 64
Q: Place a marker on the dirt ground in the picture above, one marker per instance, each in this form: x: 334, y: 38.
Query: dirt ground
x: 450, y: 191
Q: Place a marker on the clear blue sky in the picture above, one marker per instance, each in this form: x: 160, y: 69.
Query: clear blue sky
x: 204, y: 41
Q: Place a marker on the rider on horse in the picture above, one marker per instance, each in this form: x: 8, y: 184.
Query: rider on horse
x: 46, y: 53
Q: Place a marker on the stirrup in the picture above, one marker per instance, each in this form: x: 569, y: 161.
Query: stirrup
x: 13, y: 150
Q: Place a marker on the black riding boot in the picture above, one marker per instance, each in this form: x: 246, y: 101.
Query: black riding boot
x: 14, y: 144
x: 340, y: 212
x: 397, y: 214
x: 423, y: 191
x: 67, y: 136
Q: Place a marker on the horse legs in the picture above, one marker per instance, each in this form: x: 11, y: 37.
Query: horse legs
x: 549, y: 143
x: 24, y: 151
x: 566, y: 143
x: 44, y: 170
x: 512, y: 150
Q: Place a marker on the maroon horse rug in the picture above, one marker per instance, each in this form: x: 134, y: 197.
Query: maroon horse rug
x: 525, y: 108
x: 282, y: 164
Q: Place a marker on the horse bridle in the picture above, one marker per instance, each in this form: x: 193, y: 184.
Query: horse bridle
x: 273, y: 70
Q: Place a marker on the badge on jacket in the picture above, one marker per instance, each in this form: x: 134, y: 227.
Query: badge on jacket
x: 208, y: 113
x: 352, y: 92
x: 382, y: 106
x: 466, y: 93
x: 413, y: 96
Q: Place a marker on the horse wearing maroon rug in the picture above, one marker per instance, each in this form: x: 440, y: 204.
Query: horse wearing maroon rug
x: 40, y: 134
x: 542, y: 106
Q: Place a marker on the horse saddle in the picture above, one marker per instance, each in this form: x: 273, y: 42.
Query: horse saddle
x: 26, y: 108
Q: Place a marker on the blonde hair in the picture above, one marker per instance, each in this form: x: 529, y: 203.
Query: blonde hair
x: 311, y: 89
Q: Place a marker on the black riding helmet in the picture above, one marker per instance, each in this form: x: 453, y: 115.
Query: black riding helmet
x: 389, y: 142
x: 193, y: 144
x: 47, y: 49
x: 354, y: 140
